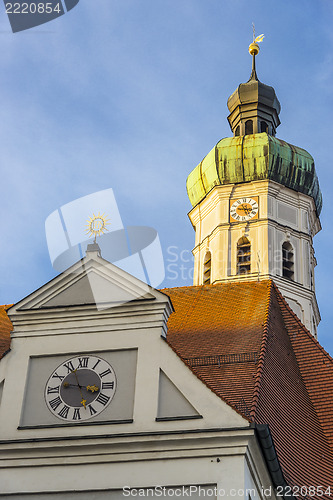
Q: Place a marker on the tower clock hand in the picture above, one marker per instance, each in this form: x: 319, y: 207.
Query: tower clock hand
x: 245, y: 209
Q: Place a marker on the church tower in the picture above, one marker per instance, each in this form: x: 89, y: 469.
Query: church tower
x: 256, y: 204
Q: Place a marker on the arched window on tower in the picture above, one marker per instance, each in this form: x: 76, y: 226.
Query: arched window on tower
x: 263, y: 127
x: 243, y: 256
x: 248, y: 127
x: 237, y: 131
x: 207, y: 268
x: 288, y: 261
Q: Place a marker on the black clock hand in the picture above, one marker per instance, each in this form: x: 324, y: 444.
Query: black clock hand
x: 67, y: 384
x: 92, y: 388
x: 83, y: 401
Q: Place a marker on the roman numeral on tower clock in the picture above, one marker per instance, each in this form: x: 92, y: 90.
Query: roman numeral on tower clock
x: 244, y: 209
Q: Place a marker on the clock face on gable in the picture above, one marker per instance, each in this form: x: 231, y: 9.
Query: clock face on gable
x: 244, y: 209
x: 80, y: 388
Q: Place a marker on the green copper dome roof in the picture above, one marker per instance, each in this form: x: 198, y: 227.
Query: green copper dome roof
x: 252, y: 158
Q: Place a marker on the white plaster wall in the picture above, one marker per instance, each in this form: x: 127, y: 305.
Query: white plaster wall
x: 227, y: 474
x: 153, y: 354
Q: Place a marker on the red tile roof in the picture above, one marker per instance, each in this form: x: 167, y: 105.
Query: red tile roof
x: 5, y: 329
x: 210, y: 320
x: 244, y: 342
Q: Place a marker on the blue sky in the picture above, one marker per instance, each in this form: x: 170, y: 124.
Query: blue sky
x: 132, y: 95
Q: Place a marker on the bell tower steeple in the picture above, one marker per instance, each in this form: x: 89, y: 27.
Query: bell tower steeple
x: 256, y: 203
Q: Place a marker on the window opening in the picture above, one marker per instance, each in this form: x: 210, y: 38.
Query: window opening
x: 288, y: 261
x: 243, y: 256
x: 248, y: 127
x: 207, y: 268
x: 263, y: 127
x: 314, y: 325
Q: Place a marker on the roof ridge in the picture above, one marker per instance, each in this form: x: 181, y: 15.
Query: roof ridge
x: 262, y: 353
x: 215, y: 285
x: 303, y: 327
x: 180, y: 287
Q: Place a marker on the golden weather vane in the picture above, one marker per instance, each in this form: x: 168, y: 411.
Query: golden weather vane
x: 254, y: 47
x: 97, y: 225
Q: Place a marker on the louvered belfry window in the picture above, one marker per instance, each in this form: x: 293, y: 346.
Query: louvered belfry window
x: 248, y: 127
x: 288, y: 261
x: 263, y: 127
x: 207, y: 268
x: 243, y: 256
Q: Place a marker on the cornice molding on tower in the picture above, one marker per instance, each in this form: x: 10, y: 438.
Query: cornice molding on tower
x: 236, y: 226
x: 284, y: 227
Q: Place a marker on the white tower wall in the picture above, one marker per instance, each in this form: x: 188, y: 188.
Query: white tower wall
x: 284, y: 216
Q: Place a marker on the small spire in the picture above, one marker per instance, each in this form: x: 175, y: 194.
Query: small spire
x: 254, y: 50
x: 93, y: 248
x: 254, y: 75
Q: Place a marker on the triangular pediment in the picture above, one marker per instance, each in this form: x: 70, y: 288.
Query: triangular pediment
x: 91, y: 281
x: 172, y: 404
x: 93, y: 289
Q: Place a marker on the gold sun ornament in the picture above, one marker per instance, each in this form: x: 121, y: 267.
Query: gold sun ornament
x: 97, y: 225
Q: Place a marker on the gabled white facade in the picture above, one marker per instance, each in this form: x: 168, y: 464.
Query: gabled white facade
x: 163, y: 427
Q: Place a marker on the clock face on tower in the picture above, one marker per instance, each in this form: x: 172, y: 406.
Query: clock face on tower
x: 244, y: 209
x: 80, y: 388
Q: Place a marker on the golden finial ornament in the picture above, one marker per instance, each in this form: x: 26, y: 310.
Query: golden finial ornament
x: 97, y: 225
x: 254, y: 47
